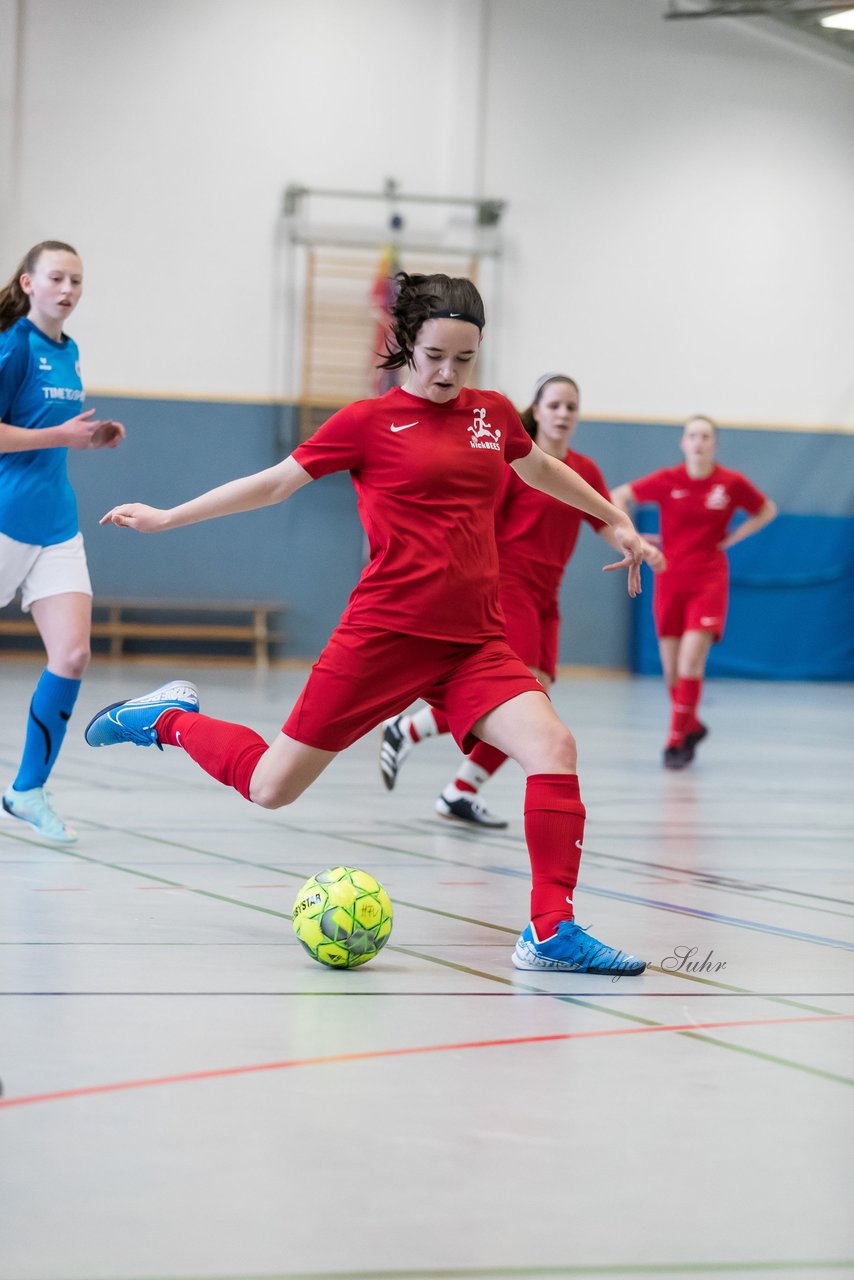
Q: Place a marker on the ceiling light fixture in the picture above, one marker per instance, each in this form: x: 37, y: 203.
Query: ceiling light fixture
x: 841, y: 21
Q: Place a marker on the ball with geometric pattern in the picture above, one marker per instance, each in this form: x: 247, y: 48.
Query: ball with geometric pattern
x: 342, y: 917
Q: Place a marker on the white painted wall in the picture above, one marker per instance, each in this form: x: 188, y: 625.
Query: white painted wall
x: 680, y: 194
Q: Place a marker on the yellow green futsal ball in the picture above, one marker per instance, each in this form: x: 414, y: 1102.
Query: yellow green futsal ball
x: 342, y: 917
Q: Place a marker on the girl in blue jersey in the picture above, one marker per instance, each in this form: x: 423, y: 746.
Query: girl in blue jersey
x: 41, y: 548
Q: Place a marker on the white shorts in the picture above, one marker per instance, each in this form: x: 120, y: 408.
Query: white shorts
x: 42, y: 571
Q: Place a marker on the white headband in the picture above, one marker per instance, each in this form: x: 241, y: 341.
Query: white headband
x: 550, y: 377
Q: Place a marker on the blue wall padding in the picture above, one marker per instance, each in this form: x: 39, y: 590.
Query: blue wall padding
x: 791, y: 604
x: 308, y: 553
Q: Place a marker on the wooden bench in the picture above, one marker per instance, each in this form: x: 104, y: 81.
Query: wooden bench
x: 213, y: 628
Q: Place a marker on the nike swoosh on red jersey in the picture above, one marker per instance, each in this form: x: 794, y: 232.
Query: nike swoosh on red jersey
x: 405, y: 426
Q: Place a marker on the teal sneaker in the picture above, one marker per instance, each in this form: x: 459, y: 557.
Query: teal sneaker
x: 572, y: 949
x: 135, y: 720
x: 34, y: 807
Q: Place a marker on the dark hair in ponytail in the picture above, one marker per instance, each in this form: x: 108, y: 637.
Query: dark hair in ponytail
x: 14, y: 303
x: 527, y: 415
x: 421, y: 298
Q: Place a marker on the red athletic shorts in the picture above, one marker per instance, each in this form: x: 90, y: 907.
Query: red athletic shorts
x: 533, y: 626
x: 682, y: 603
x: 366, y: 675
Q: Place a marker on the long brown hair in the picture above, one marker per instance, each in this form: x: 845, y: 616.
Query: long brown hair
x: 14, y: 303
x: 417, y: 300
x: 527, y: 415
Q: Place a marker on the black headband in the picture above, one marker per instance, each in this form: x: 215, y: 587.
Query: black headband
x: 455, y: 315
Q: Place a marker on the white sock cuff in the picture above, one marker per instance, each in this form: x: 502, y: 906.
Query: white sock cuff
x: 424, y: 723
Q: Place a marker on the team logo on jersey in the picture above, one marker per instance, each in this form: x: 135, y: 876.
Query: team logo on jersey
x: 482, y: 434
x: 44, y: 366
x: 717, y: 498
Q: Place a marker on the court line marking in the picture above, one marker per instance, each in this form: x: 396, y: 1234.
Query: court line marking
x: 462, y: 968
x: 298, y: 875
x: 349, y: 838
x: 431, y: 995
x: 756, y: 926
x: 708, y: 878
x: 673, y: 908
x: 547, y: 1272
x: 370, y: 1055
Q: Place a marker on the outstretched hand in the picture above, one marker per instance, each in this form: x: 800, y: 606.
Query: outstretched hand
x: 632, y: 547
x: 135, y: 515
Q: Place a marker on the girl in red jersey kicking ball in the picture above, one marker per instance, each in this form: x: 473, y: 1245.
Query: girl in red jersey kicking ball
x: 426, y: 461
x: 697, y: 502
x: 536, y: 536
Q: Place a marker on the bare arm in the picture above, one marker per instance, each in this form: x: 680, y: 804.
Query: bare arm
x: 753, y: 524
x: 559, y: 481
x: 81, y: 432
x: 263, y: 489
x: 623, y: 497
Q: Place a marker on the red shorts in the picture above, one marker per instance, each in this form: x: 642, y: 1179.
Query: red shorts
x: 533, y: 626
x: 366, y: 675
x: 682, y: 603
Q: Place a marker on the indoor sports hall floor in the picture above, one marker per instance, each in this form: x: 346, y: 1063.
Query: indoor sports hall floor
x: 186, y: 1094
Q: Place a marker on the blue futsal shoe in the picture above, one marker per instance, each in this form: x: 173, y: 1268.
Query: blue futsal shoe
x: 572, y: 949
x: 136, y: 720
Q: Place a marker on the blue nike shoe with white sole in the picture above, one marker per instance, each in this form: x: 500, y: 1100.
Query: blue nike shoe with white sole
x: 136, y: 720
x: 571, y: 949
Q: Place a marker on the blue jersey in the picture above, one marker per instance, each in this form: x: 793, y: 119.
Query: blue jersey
x: 40, y: 386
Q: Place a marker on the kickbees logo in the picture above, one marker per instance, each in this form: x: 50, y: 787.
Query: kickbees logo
x: 717, y: 498
x: 481, y: 434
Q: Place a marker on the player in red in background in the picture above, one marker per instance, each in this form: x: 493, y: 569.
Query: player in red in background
x: 426, y: 460
x: 697, y: 502
x: 536, y: 536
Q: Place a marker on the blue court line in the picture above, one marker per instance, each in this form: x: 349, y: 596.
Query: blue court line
x: 692, y: 911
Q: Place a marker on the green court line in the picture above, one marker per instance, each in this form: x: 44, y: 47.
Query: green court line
x: 641, y: 868
x: 448, y: 915
x: 808, y: 1266
x: 174, y: 884
x: 582, y: 1002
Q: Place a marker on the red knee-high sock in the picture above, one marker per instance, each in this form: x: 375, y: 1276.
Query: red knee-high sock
x: 686, y: 699
x: 228, y: 752
x: 477, y: 767
x: 554, y: 830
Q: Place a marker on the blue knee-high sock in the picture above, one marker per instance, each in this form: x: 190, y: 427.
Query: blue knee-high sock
x: 50, y: 711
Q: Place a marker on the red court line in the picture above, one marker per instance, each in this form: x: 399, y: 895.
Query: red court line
x: 223, y: 1072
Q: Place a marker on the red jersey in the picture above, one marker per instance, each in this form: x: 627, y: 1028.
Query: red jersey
x: 536, y: 534
x: 695, y: 514
x: 426, y: 477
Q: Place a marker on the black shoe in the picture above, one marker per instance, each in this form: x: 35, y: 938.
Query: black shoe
x: 678, y: 757
x: 467, y: 809
x: 694, y: 739
x: 395, y: 746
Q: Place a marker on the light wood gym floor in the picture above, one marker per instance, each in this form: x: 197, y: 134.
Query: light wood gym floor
x: 186, y: 1094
